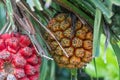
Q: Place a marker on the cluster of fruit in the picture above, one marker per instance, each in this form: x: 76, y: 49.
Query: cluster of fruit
x: 78, y: 45
x: 18, y: 58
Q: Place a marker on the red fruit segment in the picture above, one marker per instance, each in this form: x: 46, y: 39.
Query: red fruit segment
x: 2, y: 44
x: 34, y: 77
x: 27, y: 51
x: 19, y: 61
x: 24, y: 41
x: 33, y: 59
x: 11, y: 50
x: 12, y: 42
x: 25, y: 78
x: 15, y: 35
x: 5, y: 36
x: 18, y: 58
x: 30, y: 70
x: 19, y: 73
x: 39, y: 60
x: 1, y: 63
x: 33, y: 50
x: 4, y: 55
x: 37, y: 67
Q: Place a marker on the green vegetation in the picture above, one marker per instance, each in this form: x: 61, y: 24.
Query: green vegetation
x: 102, y: 15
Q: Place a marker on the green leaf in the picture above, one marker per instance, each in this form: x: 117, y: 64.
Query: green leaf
x: 109, y: 70
x: 116, y: 49
x: 38, y: 4
x: 10, y: 12
x: 108, y: 4
x: 94, y: 61
x: 48, y: 3
x: 73, y: 74
x: 97, y: 33
x: 34, y: 3
x: 52, y: 71
x: 44, y: 69
x: 107, y: 12
x: 116, y: 2
x: 84, y: 5
x: 75, y: 10
x: 2, y: 15
x: 31, y: 4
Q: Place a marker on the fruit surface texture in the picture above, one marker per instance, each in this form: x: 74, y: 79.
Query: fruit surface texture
x: 76, y: 42
x: 18, y: 58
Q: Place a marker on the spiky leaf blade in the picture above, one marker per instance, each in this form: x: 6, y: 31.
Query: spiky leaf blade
x: 97, y: 33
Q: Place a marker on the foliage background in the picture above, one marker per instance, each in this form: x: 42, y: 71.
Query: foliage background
x: 103, y: 15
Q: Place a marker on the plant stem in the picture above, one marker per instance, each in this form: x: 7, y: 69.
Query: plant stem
x: 74, y: 74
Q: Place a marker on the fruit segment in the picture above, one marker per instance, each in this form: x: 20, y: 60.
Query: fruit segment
x: 18, y: 58
x: 78, y: 45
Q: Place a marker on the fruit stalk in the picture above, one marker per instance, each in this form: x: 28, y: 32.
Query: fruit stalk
x: 74, y: 74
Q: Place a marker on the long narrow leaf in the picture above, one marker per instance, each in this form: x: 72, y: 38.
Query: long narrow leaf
x: 116, y: 2
x: 10, y: 11
x: 44, y: 69
x: 73, y: 74
x: 38, y: 4
x: 75, y: 10
x: 96, y: 37
x: 103, y: 8
x: 116, y: 49
x: 95, y: 65
x: 2, y: 15
x: 85, y: 6
x: 52, y: 75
